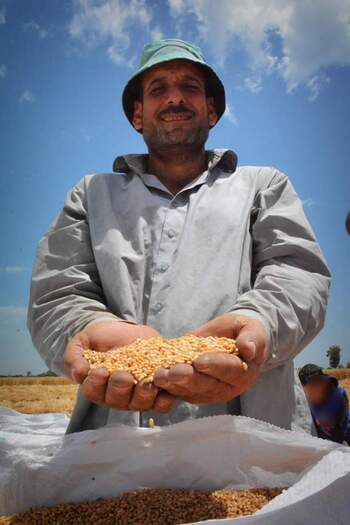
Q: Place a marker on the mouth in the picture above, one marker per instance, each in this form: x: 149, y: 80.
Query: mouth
x: 176, y: 117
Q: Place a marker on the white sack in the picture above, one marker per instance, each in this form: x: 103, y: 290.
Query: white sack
x: 40, y: 466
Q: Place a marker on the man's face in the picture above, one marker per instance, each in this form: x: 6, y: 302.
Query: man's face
x: 316, y: 391
x: 175, y: 109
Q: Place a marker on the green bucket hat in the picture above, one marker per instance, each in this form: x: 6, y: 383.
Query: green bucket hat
x: 172, y: 49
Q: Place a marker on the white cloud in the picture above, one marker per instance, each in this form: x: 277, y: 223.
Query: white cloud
x: 2, y: 16
x: 253, y: 83
x: 309, y: 203
x: 156, y: 33
x: 97, y: 22
x: 12, y: 269
x: 315, y: 85
x: 26, y: 97
x: 176, y: 6
x: 34, y: 26
x: 3, y: 71
x: 230, y: 115
x: 312, y: 35
x: 115, y: 55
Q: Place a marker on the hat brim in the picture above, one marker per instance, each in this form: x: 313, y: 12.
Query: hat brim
x: 214, y: 86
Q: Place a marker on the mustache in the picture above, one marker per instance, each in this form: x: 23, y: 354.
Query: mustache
x: 175, y: 109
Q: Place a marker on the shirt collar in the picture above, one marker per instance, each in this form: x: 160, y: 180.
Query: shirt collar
x: 224, y: 159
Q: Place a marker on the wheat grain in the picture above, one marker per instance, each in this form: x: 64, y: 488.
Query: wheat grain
x: 150, y: 507
x: 142, y: 357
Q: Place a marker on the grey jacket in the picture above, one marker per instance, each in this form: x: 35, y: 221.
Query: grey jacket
x: 235, y: 239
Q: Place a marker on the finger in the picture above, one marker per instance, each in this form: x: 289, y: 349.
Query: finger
x: 75, y: 366
x: 79, y: 369
x: 224, y: 367
x: 164, y: 402
x: 161, y: 380
x: 94, y: 385
x: 183, y: 382
x: 143, y: 397
x: 189, y: 378
x: 221, y: 326
x: 180, y: 374
x: 206, y: 330
x: 161, y: 377
x: 119, y: 390
x: 251, y: 343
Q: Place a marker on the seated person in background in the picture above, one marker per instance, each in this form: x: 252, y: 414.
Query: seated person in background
x: 328, y: 403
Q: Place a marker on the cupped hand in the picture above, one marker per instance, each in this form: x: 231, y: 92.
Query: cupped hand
x: 219, y: 377
x: 116, y: 390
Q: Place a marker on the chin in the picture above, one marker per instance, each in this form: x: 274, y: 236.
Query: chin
x: 181, y: 134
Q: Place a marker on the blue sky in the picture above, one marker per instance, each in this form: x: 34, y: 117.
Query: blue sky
x: 63, y: 64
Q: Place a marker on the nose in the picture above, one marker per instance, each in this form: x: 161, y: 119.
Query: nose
x: 175, y: 96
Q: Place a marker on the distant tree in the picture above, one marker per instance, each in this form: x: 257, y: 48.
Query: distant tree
x: 340, y: 366
x: 333, y: 354
x: 29, y: 373
x: 348, y: 364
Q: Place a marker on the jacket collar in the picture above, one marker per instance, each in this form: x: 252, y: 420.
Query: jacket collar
x: 225, y: 159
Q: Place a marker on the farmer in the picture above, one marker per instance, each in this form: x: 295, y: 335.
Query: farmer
x: 328, y: 402
x: 180, y: 240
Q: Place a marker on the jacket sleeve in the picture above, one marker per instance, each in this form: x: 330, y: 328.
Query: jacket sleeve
x: 66, y: 292
x: 342, y: 418
x: 290, y: 278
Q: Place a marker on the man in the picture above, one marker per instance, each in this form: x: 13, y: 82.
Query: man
x: 328, y: 403
x: 180, y: 240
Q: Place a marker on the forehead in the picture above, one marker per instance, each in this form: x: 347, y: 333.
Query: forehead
x: 179, y: 68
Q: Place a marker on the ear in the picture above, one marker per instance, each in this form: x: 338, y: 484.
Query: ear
x: 212, y: 115
x: 137, y: 116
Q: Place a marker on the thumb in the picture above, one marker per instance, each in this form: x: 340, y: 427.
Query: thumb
x: 251, y: 342
x: 75, y: 365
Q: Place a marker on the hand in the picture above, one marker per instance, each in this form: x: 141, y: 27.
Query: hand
x: 116, y: 390
x: 219, y: 377
x: 249, y: 333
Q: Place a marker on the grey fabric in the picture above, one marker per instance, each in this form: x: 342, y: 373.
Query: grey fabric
x: 233, y: 240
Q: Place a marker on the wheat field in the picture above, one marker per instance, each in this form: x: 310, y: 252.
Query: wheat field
x: 343, y: 376
x: 40, y: 395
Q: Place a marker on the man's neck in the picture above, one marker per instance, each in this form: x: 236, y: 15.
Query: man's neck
x: 175, y: 170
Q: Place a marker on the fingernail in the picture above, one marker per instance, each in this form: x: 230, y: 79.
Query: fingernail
x: 202, y: 362
x: 75, y: 373
x: 252, y: 348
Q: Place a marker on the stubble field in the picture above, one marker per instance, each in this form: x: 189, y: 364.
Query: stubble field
x: 40, y: 395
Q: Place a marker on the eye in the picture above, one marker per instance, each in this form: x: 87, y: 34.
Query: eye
x: 191, y: 87
x: 157, y: 90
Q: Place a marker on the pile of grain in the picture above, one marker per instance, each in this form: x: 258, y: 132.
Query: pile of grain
x: 150, y: 507
x: 142, y: 357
